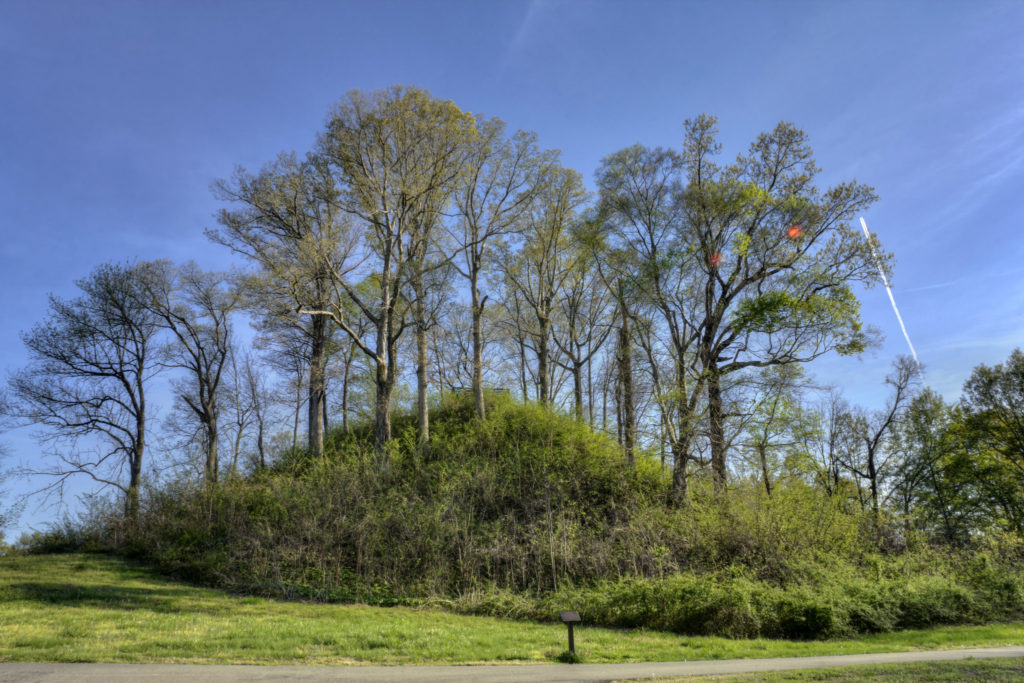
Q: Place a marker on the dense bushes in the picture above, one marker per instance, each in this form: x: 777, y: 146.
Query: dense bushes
x: 530, y: 512
x: 837, y: 603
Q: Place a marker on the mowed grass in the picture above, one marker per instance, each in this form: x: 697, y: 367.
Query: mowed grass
x: 1009, y: 670
x: 93, y: 608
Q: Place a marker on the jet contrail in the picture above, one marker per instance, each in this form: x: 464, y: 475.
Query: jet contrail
x: 885, y: 281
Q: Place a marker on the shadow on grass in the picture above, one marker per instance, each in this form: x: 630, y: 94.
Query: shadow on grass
x: 167, y: 600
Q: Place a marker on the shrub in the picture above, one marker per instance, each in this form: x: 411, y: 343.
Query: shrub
x: 529, y: 512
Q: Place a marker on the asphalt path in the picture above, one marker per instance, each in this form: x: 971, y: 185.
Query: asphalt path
x: 31, y: 672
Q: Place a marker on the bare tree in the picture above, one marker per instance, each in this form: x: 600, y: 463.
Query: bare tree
x: 286, y: 349
x: 584, y: 321
x: 829, y: 441
x: 196, y: 307
x: 249, y: 405
x: 87, y: 379
x: 870, y: 460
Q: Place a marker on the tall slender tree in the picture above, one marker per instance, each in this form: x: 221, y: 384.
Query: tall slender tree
x: 546, y: 258
x: 396, y: 156
x: 195, y: 307
x: 502, y: 176
x: 285, y: 219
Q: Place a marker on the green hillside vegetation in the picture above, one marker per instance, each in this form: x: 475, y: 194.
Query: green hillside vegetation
x: 529, y: 511
x: 93, y: 608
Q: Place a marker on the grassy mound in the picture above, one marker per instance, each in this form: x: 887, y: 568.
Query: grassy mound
x: 528, y: 512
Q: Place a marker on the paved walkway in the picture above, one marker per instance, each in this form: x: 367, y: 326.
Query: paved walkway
x: 196, y: 673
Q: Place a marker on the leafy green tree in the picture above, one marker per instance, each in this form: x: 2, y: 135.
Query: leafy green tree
x: 536, y: 274
x: 936, y: 485
x: 640, y: 214
x: 286, y: 221
x: 502, y: 175
x: 774, y: 422
x: 994, y: 400
x: 993, y: 407
x: 750, y: 263
x: 396, y: 156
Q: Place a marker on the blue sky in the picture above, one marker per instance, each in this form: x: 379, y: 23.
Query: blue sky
x: 116, y: 116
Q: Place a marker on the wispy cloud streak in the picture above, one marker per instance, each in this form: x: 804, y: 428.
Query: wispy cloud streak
x: 888, y: 289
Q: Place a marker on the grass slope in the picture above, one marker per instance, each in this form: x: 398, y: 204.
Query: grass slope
x: 91, y: 608
x: 1010, y: 670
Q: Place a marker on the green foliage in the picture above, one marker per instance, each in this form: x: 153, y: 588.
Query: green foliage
x: 829, y: 601
x: 528, y: 512
x: 92, y: 608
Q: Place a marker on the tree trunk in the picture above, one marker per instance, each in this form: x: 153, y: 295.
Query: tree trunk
x: 135, y: 465
x: 762, y: 453
x: 717, y: 430
x: 422, y: 408
x: 542, y: 364
x: 680, y: 471
x: 317, y: 359
x: 212, y: 469
x: 664, y: 437
x: 522, y: 370
x: 626, y: 378
x: 298, y: 409
x: 684, y: 434
x: 344, y: 392
x: 382, y: 418
x: 873, y: 479
x: 326, y: 425
x: 384, y: 381
x: 236, y: 450
x: 590, y: 388
x: 259, y: 442
x: 577, y: 390
x: 477, y: 310
x: 618, y: 401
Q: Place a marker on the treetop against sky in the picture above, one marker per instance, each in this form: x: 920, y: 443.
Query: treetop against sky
x: 117, y: 116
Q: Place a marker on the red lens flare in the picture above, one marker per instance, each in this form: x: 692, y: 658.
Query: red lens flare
x: 715, y: 259
x: 795, y: 231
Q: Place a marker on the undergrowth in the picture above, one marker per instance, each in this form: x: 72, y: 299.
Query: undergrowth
x: 528, y: 512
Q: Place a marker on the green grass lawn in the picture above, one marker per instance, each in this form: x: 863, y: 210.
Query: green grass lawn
x: 1009, y: 670
x: 92, y: 608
